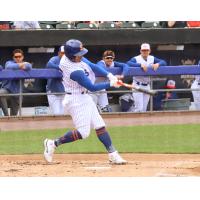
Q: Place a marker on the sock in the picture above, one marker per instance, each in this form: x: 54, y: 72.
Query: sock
x: 104, y: 137
x: 70, y: 136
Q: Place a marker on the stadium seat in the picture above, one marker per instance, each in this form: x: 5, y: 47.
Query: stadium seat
x: 46, y: 26
x: 107, y: 25
x: 129, y: 25
x: 5, y: 25
x: 51, y: 23
x: 86, y: 26
x: 151, y: 25
x: 65, y: 26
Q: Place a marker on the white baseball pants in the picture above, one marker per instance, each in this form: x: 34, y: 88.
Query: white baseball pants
x: 84, y: 113
x: 101, y: 99
x: 141, y: 100
x: 55, y: 104
x: 196, y: 94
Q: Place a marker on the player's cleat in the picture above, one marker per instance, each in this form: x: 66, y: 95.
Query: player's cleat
x: 49, y: 148
x: 106, y: 109
x: 115, y: 158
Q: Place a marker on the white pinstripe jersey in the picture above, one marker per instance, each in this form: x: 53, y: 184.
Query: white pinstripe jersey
x: 67, y: 68
x: 148, y: 62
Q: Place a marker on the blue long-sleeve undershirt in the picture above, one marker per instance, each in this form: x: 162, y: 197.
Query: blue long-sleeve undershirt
x: 15, y: 66
x: 95, y: 67
x: 133, y: 63
x: 54, y: 85
x: 123, y: 66
x: 80, y: 77
x: 54, y: 62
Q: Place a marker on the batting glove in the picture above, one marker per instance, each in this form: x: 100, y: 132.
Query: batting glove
x: 111, y: 77
x: 114, y: 83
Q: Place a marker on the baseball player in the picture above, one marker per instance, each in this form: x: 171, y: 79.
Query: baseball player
x: 196, y: 94
x: 13, y: 86
x: 145, y: 61
x: 78, y: 78
x: 55, y: 85
x: 108, y: 62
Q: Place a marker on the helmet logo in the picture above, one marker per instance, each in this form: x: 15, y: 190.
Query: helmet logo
x: 81, y: 47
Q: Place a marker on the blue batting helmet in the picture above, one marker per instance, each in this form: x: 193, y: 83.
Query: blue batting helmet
x: 74, y: 48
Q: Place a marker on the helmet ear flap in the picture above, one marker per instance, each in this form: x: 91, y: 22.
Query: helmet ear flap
x: 71, y: 57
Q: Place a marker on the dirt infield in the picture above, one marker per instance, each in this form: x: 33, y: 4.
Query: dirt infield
x: 96, y: 165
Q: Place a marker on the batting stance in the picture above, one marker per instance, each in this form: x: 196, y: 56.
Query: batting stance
x: 78, y: 77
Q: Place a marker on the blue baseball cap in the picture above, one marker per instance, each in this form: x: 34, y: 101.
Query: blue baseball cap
x: 74, y: 47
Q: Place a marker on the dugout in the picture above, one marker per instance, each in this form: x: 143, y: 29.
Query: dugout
x: 176, y: 46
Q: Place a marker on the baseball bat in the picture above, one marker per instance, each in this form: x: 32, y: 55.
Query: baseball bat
x: 137, y: 88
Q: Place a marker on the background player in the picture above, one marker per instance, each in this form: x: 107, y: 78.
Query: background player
x: 196, y: 94
x: 78, y: 77
x: 55, y: 85
x: 108, y: 62
x: 13, y: 86
x: 145, y: 61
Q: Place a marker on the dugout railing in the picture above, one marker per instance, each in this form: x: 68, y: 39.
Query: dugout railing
x: 51, y: 73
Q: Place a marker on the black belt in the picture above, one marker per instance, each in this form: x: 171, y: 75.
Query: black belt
x: 76, y: 93
x: 143, y: 84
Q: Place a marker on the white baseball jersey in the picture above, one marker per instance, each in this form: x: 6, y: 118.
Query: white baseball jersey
x: 55, y: 104
x: 80, y: 106
x: 67, y: 68
x: 196, y: 94
x: 148, y: 62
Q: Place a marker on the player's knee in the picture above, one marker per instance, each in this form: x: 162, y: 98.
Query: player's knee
x: 100, y: 131
x: 85, y: 132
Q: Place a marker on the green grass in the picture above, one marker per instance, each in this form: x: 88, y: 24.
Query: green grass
x: 143, y: 139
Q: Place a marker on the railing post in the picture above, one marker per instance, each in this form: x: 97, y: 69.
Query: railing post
x: 20, y: 97
x: 151, y: 97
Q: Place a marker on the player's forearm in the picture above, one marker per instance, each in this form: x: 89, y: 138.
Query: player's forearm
x: 52, y: 65
x: 162, y: 63
x: 84, y: 81
x: 97, y: 86
x: 133, y: 64
x: 125, y: 69
x: 96, y: 68
x: 159, y: 61
x: 11, y: 65
x: 28, y: 66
